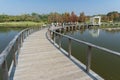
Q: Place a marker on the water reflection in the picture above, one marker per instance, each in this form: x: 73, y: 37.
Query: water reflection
x: 103, y: 63
x: 100, y: 37
x: 94, y: 32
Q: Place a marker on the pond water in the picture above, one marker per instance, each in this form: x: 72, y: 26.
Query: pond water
x: 6, y: 35
x: 105, y: 64
x: 107, y: 39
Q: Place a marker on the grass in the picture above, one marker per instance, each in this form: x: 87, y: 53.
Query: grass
x: 21, y: 24
x: 110, y: 25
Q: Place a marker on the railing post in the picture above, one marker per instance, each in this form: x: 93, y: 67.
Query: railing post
x: 89, y: 55
x: 27, y: 32
x: 22, y: 37
x: 50, y: 35
x: 30, y: 30
x: 54, y: 37
x: 14, y: 50
x: 69, y: 48
x: 5, y: 71
x: 14, y: 59
x: 24, y: 34
x: 59, y: 41
x: 21, y: 41
x: 18, y: 45
x: 49, y: 32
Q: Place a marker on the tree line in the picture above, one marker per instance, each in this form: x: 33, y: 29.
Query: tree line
x: 72, y: 17
x: 67, y: 17
x: 57, y: 17
x: 35, y: 17
x: 111, y: 16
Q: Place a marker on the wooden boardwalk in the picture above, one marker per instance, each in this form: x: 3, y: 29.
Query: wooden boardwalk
x: 40, y: 60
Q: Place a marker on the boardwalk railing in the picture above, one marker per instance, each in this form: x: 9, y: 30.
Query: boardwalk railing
x: 53, y: 34
x: 8, y: 58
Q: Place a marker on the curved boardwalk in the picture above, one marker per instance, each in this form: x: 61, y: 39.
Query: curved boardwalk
x: 40, y: 60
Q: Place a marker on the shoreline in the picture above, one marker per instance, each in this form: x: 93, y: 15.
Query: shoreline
x: 20, y: 24
x: 111, y: 29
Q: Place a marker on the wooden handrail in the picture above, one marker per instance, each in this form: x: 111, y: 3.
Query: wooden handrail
x: 90, y: 46
x: 14, y: 46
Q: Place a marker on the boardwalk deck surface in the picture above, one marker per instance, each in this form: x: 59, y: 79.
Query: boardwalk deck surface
x: 40, y: 60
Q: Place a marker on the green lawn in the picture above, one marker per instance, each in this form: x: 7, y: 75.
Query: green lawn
x: 20, y: 24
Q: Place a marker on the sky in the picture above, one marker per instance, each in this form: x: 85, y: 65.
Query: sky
x: 89, y: 7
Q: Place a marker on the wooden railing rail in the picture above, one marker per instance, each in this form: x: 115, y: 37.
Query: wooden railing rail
x: 53, y: 34
x: 13, y: 49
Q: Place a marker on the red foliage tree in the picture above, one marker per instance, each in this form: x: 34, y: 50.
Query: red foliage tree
x: 73, y: 17
x: 82, y: 17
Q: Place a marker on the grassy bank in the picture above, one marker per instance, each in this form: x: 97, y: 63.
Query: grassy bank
x: 20, y: 24
x: 110, y: 25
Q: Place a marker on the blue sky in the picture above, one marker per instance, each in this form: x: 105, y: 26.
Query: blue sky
x: 90, y: 7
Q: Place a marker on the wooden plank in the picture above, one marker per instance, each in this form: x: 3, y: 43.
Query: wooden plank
x: 40, y: 60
